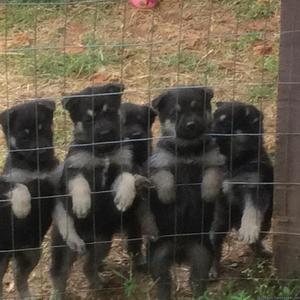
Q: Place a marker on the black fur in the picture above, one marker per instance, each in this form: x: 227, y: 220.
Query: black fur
x: 31, y: 161
x: 183, y: 220
x: 137, y: 121
x: 96, y: 116
x: 239, y: 134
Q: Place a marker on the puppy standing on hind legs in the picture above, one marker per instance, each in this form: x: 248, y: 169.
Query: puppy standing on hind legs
x: 97, y: 175
x: 31, y: 170
x: 137, y: 121
x: 183, y: 157
x: 247, y: 188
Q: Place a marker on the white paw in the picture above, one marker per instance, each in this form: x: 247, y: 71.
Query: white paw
x: 211, y: 184
x: 165, y: 186
x: 76, y: 244
x: 124, y: 187
x: 20, y: 199
x: 81, y: 205
x: 226, y: 187
x: 213, y: 272
x: 249, y: 234
x: 80, y: 191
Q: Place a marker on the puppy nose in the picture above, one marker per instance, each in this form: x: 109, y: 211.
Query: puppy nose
x: 190, y: 125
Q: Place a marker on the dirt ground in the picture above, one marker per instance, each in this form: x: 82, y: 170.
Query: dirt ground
x: 217, y: 48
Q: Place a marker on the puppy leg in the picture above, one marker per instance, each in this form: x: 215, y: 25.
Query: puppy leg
x: 161, y: 261
x: 4, y: 260
x: 211, y: 184
x: 134, y: 245
x: 61, y: 262
x: 143, y: 212
x: 251, y: 222
x: 23, y: 264
x: 200, y: 259
x: 96, y: 253
x: 165, y: 185
x: 65, y: 225
x: 124, y: 188
x: 80, y: 191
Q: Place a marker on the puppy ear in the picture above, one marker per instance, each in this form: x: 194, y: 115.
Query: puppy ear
x: 69, y: 101
x: 5, y: 119
x: 115, y: 87
x: 47, y: 103
x: 219, y: 104
x: 208, y: 92
x: 150, y: 112
x: 159, y: 102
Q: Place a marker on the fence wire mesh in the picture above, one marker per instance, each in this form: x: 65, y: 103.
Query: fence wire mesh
x: 51, y: 49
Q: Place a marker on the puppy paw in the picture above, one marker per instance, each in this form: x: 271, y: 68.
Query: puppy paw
x: 76, y: 244
x: 81, y: 196
x: 124, y: 188
x: 211, y: 184
x: 213, y: 272
x: 81, y: 205
x: 165, y: 186
x: 20, y: 199
x: 249, y: 234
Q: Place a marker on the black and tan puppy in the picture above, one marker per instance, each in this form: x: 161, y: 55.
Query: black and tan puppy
x: 185, y: 170
x: 137, y: 122
x: 97, y: 176
x: 247, y: 187
x: 32, y: 171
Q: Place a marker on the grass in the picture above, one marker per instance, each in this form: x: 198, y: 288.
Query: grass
x: 187, y: 61
x: 252, y: 9
x: 259, y: 282
x: 54, y: 65
x: 245, y: 41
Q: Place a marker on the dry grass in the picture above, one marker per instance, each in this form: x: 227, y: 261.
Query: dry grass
x: 207, y: 42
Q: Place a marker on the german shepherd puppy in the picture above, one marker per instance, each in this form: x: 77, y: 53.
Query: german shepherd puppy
x: 32, y: 171
x: 137, y: 121
x: 97, y: 176
x: 186, y: 172
x: 247, y: 187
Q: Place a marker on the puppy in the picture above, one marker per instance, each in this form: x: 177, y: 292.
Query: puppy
x: 247, y: 188
x: 97, y: 176
x: 137, y: 121
x: 183, y: 157
x: 31, y: 171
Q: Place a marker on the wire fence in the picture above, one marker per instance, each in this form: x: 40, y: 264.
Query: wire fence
x: 56, y: 49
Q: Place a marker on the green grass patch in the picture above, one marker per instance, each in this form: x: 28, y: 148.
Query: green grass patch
x: 187, y: 61
x: 26, y: 17
x: 245, y: 41
x: 261, y: 92
x: 54, y: 65
x: 252, y: 9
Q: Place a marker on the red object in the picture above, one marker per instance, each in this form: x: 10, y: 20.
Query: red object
x: 144, y: 3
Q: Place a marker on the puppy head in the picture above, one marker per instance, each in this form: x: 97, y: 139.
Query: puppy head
x: 184, y: 112
x: 95, y: 112
x: 137, y: 121
x: 242, y: 126
x: 28, y: 127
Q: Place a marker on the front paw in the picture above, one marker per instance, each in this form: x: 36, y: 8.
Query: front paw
x: 125, y: 191
x: 165, y: 186
x: 211, y: 184
x: 249, y: 234
x: 20, y: 199
x: 81, y: 205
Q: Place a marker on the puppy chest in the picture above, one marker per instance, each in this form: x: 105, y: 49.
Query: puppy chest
x: 188, y: 173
